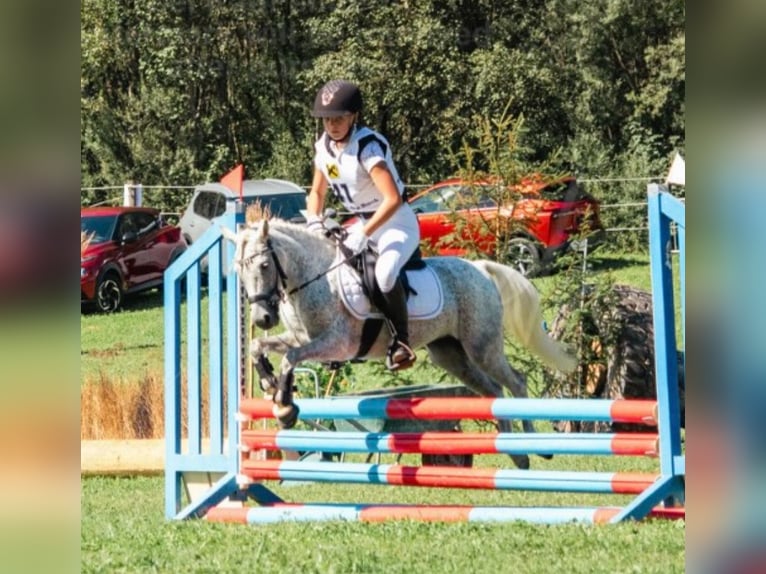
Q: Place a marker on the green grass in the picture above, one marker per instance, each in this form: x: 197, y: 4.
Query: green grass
x: 123, y: 530
x: 123, y: 345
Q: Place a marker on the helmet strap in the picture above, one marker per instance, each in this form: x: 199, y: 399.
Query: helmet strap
x: 346, y: 137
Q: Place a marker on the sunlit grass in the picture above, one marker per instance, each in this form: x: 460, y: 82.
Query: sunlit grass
x: 123, y: 530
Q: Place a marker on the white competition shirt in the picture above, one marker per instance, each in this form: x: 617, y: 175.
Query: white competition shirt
x: 347, y: 171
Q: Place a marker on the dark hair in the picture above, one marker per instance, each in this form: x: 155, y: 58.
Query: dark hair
x: 335, y: 98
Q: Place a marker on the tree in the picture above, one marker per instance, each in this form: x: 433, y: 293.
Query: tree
x: 180, y: 92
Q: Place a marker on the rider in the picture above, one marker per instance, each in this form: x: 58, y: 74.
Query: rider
x: 356, y: 163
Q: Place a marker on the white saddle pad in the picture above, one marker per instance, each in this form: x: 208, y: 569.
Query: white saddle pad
x: 427, y: 304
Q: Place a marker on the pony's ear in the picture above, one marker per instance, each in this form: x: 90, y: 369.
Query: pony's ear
x: 264, y: 229
x: 228, y: 234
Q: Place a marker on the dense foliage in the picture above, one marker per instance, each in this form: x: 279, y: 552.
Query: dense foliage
x: 179, y: 92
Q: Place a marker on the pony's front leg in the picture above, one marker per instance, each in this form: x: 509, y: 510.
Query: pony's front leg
x: 280, y: 390
x: 266, y: 377
x: 322, y: 350
x: 285, y: 410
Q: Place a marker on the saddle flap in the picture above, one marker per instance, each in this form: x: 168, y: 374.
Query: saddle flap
x: 426, y: 298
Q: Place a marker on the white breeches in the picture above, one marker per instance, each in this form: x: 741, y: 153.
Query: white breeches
x: 396, y: 241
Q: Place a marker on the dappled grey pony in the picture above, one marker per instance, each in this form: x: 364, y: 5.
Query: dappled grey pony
x: 284, y: 271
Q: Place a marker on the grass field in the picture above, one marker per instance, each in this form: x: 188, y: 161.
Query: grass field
x: 123, y: 527
x: 123, y: 530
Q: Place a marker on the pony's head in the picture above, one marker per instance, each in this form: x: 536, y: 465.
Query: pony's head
x: 271, y: 254
x: 259, y: 270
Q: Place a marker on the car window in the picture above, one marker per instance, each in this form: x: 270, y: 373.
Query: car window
x: 206, y: 204
x: 427, y: 203
x: 145, y: 222
x: 101, y: 228
x: 486, y: 201
x: 439, y: 199
x: 128, y: 224
x: 473, y: 197
x: 219, y: 206
x: 284, y: 206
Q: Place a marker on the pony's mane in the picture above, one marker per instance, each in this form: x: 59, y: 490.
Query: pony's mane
x: 295, y: 231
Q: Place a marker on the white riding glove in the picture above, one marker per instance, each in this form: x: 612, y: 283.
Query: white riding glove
x: 315, y: 225
x: 356, y: 241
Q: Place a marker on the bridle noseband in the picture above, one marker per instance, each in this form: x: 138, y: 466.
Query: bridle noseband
x: 274, y: 295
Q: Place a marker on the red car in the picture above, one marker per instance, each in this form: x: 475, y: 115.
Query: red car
x: 536, y: 222
x: 125, y: 250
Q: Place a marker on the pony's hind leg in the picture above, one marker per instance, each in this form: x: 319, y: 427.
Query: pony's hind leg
x: 497, y: 367
x: 450, y: 355
x: 488, y: 356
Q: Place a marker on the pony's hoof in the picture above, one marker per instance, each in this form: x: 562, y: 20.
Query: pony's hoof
x: 520, y: 460
x: 286, y: 416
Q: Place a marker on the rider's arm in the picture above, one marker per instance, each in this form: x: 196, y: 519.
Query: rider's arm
x: 384, y: 181
x: 316, y: 198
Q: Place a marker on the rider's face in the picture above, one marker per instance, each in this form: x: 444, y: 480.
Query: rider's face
x: 338, y: 126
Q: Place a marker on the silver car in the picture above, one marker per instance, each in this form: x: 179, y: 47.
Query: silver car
x: 210, y: 201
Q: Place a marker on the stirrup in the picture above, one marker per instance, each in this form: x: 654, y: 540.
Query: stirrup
x: 406, y: 357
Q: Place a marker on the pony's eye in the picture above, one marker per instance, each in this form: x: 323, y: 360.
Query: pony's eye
x: 265, y: 265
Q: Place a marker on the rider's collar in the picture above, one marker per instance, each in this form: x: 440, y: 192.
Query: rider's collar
x: 331, y: 145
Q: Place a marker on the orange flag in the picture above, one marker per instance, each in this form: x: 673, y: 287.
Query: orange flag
x: 233, y: 179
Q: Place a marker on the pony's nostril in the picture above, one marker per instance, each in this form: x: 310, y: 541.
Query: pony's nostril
x: 263, y: 320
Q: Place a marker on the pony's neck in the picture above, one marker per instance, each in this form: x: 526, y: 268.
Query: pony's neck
x: 303, y: 254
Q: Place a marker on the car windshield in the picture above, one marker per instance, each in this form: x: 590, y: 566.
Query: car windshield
x: 101, y: 227
x: 438, y: 199
x: 283, y: 206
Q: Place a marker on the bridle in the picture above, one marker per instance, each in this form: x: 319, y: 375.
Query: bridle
x: 278, y: 292
x: 274, y: 295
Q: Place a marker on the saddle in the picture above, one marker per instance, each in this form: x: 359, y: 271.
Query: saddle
x: 422, y: 290
x: 364, y: 263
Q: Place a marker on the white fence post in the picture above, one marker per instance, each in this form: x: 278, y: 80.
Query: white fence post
x: 132, y: 194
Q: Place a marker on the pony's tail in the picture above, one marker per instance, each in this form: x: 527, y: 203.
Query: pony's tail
x: 523, y: 318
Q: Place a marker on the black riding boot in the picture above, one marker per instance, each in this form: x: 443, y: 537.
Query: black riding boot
x: 400, y: 355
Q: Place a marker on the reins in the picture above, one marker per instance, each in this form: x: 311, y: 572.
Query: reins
x: 275, y: 294
x: 319, y: 276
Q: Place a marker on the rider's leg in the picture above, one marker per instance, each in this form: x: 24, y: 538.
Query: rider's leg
x: 400, y: 354
x: 396, y: 241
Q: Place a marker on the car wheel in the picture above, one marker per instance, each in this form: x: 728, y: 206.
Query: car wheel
x: 619, y: 358
x: 523, y: 255
x: 109, y: 293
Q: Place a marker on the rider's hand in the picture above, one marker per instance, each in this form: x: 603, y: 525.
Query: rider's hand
x: 356, y: 241
x: 315, y: 225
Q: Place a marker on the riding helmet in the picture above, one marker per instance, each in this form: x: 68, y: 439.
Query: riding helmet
x: 336, y: 98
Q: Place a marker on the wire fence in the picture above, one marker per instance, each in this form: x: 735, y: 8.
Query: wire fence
x: 625, y: 222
